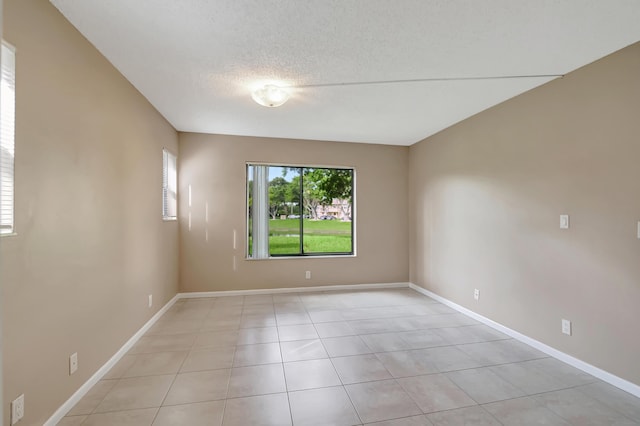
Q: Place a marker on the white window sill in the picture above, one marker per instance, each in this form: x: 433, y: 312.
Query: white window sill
x: 328, y: 256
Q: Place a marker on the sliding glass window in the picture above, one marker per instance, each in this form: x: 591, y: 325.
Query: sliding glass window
x: 299, y: 211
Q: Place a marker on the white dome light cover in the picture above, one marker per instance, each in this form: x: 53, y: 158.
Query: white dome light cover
x: 270, y: 96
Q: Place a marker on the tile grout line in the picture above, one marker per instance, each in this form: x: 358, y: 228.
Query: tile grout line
x: 175, y: 377
x: 284, y: 374
x: 344, y: 387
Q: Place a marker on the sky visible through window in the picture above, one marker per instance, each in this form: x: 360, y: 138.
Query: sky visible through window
x: 275, y: 172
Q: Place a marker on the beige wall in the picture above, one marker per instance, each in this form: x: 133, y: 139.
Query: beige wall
x: 91, y: 244
x: 215, y: 167
x: 485, y: 199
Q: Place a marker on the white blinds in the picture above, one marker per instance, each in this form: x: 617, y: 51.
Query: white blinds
x: 260, y: 231
x: 7, y: 136
x: 169, y: 185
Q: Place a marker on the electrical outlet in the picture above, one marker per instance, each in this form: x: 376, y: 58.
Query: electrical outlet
x: 150, y: 300
x: 17, y: 409
x: 307, y: 275
x: 566, y: 327
x: 73, y: 363
x: 476, y: 294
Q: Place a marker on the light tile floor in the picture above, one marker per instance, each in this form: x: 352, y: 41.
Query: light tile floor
x: 383, y: 357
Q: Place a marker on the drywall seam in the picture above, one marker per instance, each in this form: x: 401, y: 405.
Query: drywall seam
x: 612, y: 379
x: 97, y: 376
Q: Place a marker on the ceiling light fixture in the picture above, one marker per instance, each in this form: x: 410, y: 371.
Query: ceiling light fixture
x: 270, y: 95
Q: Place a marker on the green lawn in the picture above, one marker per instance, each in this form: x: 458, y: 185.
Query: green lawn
x: 320, y: 236
x: 313, y: 227
x: 312, y: 244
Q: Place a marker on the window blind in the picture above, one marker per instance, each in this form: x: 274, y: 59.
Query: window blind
x: 7, y: 137
x: 169, y: 185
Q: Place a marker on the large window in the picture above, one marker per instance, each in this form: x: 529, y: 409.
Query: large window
x: 299, y: 211
x: 169, y: 186
x: 7, y: 138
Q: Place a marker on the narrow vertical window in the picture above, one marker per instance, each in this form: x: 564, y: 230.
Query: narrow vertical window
x: 7, y: 138
x: 169, y: 186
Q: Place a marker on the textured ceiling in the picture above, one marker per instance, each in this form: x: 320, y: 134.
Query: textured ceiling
x: 196, y: 60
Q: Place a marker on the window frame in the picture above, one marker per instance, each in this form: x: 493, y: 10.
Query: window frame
x: 8, y: 53
x: 302, y: 254
x: 167, y: 157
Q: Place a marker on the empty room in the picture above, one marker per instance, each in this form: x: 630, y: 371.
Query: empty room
x: 357, y: 212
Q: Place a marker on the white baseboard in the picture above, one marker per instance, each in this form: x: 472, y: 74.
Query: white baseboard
x: 290, y: 290
x: 82, y: 391
x: 603, y: 375
x: 98, y: 375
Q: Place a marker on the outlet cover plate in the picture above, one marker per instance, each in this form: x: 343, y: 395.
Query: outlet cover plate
x: 17, y: 409
x: 566, y: 327
x: 73, y: 363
